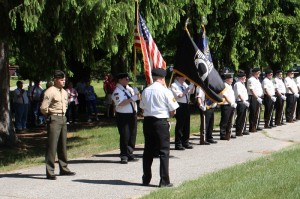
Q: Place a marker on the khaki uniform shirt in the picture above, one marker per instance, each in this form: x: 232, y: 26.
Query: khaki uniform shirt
x: 55, y: 101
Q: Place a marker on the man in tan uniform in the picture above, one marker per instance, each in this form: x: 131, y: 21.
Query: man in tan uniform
x: 54, y: 107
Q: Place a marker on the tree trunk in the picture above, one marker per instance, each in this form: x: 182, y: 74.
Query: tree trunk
x: 7, y: 131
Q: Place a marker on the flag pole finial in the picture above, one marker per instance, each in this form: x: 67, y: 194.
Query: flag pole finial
x: 186, y: 23
x: 185, y: 26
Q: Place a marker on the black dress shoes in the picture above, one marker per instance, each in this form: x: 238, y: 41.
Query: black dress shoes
x: 51, y: 177
x: 188, y: 146
x: 166, y: 185
x: 206, y: 143
x: 223, y: 138
x: 67, y: 173
x: 233, y: 136
x: 212, y: 141
x: 131, y: 158
x: 180, y: 148
x: 259, y: 129
x: 246, y: 133
x: 145, y: 184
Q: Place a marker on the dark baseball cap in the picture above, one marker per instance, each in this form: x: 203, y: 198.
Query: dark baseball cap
x: 254, y: 70
x: 159, y: 72
x: 122, y: 75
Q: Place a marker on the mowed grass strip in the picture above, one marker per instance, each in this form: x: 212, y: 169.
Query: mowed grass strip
x: 273, y: 176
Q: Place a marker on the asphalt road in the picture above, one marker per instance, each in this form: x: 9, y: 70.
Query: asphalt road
x: 102, y: 176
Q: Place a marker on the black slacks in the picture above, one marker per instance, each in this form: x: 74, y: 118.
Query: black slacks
x: 182, y: 128
x: 127, y: 127
x: 279, y: 104
x: 240, y: 122
x: 157, y: 141
x: 209, y: 123
x: 226, y: 120
x: 298, y: 109
x: 254, y: 111
x: 290, y: 107
x: 269, y: 105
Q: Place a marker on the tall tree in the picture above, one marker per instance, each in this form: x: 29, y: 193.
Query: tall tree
x: 7, y: 132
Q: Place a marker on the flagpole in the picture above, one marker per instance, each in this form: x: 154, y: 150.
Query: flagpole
x: 171, y: 79
x: 136, y: 23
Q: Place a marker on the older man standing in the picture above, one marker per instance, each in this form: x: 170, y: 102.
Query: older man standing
x: 227, y: 109
x: 241, y: 96
x: 291, y: 96
x: 158, y: 104
x: 182, y: 91
x: 269, y: 97
x: 125, y: 99
x: 255, y: 93
x: 54, y: 107
x: 280, y: 91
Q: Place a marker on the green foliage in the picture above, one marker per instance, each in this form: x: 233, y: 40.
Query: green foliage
x: 28, y: 12
x: 47, y: 35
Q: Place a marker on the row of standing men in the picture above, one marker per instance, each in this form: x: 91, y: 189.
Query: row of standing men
x: 160, y: 103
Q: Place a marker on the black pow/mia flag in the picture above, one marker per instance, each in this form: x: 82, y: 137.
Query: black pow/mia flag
x: 191, y: 63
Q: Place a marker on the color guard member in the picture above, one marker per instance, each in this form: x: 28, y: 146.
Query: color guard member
x: 206, y: 118
x: 158, y: 104
x: 298, y: 99
x: 255, y: 93
x: 227, y: 109
x: 182, y: 91
x: 241, y: 97
x: 269, y: 97
x: 280, y: 91
x: 291, y: 96
x: 125, y: 98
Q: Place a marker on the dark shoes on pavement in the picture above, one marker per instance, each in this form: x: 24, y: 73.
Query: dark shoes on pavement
x: 166, y: 185
x: 67, y: 173
x: 188, y: 146
x: 51, y: 177
x: 64, y: 173
x: 180, y: 148
x: 211, y: 141
x: 124, y: 160
x: 129, y: 158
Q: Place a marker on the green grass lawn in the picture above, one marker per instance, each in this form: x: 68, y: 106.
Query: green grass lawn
x: 271, y: 177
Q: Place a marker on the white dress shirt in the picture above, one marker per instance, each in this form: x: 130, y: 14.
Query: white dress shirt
x: 158, y: 101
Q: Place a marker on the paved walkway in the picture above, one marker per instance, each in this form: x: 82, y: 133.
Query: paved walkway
x: 102, y: 176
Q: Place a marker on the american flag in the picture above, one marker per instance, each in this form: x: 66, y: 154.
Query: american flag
x: 151, y: 55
